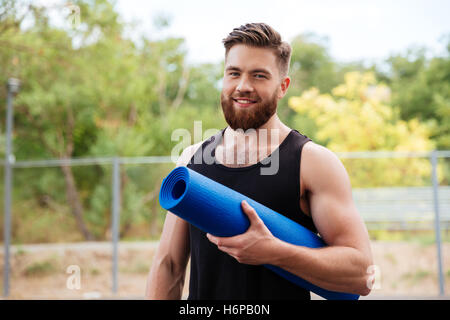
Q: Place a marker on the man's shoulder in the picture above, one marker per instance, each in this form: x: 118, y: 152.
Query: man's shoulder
x: 188, y: 153
x: 312, y: 151
x: 319, y: 164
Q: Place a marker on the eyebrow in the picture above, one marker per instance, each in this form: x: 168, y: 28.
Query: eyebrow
x: 258, y: 70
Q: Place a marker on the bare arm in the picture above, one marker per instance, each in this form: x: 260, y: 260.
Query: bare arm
x: 167, y: 273
x: 342, y: 265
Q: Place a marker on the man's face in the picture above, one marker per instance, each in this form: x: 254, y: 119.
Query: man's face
x: 252, y: 87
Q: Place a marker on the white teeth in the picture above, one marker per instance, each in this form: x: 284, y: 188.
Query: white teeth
x: 244, y: 101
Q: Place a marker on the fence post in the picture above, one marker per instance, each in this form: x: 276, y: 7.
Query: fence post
x: 13, y: 87
x: 437, y: 226
x: 115, y: 220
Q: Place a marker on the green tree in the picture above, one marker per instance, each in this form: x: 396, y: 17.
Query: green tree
x: 357, y: 116
x: 89, y: 91
x: 421, y: 89
x: 312, y: 66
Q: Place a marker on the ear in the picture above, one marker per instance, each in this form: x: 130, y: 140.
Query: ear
x: 284, y: 85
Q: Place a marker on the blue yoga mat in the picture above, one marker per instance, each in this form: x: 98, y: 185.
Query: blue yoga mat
x: 216, y: 209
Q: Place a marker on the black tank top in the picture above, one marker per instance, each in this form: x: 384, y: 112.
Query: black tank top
x: 216, y: 275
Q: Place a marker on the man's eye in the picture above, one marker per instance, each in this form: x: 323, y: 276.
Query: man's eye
x: 234, y: 74
x: 260, y: 76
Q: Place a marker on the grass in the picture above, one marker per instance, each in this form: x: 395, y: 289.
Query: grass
x: 391, y: 258
x: 42, y: 225
x: 20, y: 251
x: 424, y: 238
x: 414, y: 278
x: 94, y: 271
x: 40, y: 268
x: 138, y: 267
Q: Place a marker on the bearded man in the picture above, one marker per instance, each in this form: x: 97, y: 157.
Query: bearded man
x: 307, y: 184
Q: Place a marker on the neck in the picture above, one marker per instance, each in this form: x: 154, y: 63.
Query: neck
x: 240, y: 148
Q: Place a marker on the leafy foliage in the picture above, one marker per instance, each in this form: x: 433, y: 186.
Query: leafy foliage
x: 357, y: 116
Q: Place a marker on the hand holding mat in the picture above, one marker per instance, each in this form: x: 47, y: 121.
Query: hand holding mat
x: 216, y: 209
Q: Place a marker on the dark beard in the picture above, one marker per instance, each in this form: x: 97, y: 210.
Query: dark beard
x: 250, y: 118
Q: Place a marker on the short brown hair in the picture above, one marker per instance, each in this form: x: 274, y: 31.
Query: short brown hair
x: 263, y: 36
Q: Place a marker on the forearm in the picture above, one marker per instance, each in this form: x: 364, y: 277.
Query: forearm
x: 335, y: 268
x: 165, y: 282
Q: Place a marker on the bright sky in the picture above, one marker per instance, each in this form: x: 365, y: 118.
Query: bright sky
x: 356, y: 29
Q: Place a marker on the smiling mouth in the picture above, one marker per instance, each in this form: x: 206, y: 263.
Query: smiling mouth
x: 244, y: 102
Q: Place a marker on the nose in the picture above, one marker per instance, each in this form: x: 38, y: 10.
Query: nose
x: 244, y: 85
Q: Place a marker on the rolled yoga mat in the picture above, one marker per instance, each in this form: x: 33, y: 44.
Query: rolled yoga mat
x: 216, y: 209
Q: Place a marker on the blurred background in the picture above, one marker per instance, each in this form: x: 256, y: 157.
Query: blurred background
x: 103, y: 84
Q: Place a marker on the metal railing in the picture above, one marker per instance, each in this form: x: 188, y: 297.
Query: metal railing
x: 116, y: 162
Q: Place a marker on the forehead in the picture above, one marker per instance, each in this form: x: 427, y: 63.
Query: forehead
x: 247, y: 57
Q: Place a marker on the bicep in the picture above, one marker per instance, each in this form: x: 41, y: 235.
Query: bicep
x: 332, y: 207
x: 337, y: 220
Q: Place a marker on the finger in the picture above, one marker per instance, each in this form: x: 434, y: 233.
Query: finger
x: 212, y: 238
x: 229, y: 242
x: 250, y: 212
